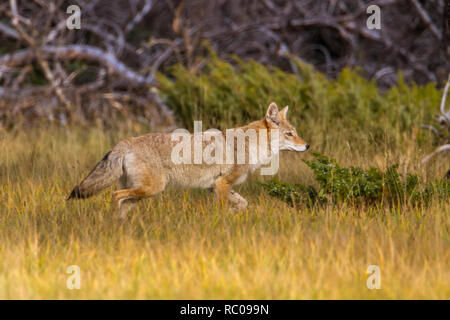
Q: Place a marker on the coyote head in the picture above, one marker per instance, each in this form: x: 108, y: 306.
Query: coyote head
x: 288, y: 137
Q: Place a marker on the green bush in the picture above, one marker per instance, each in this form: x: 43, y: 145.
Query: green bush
x: 292, y: 193
x: 355, y: 184
x: 224, y: 94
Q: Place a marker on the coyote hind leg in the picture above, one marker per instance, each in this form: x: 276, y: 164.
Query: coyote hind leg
x: 123, y: 200
x: 123, y: 206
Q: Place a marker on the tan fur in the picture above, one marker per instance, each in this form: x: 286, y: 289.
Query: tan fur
x: 144, y: 166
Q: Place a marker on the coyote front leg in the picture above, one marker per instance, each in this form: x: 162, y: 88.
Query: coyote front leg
x: 222, y: 188
x: 238, y: 202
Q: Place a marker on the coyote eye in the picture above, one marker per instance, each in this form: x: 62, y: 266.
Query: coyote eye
x: 289, y: 134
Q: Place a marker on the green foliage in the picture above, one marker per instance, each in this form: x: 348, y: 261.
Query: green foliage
x: 292, y: 193
x: 224, y: 94
x: 355, y: 184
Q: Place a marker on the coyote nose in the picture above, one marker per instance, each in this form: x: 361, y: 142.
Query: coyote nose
x: 307, y: 146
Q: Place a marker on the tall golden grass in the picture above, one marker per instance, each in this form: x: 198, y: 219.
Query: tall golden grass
x: 180, y: 245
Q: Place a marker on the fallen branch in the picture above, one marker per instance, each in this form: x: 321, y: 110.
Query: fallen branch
x: 444, y: 119
x: 445, y: 147
x: 9, y: 32
x: 139, y: 16
x: 78, y: 52
x: 445, y: 114
x: 34, y: 48
x: 427, y: 20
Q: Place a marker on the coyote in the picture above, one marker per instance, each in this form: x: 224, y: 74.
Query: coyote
x: 144, y: 167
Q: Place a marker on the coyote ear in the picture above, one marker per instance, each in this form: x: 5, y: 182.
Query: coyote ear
x: 283, y: 112
x: 273, y: 116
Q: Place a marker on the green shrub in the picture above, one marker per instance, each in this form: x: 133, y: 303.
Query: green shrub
x: 355, y: 184
x: 292, y: 193
x: 224, y: 94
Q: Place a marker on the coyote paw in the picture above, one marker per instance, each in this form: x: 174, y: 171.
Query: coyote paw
x: 237, y: 201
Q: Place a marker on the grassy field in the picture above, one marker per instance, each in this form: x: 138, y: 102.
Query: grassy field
x: 179, y: 245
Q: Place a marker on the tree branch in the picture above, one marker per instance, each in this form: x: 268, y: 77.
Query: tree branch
x: 427, y: 20
x: 80, y: 52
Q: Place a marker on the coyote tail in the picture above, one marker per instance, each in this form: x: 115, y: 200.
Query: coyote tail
x: 105, y: 172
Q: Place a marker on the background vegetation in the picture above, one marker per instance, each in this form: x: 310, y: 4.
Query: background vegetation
x: 102, y: 72
x: 221, y: 94
x: 180, y: 245
x: 358, y: 186
x: 66, y: 98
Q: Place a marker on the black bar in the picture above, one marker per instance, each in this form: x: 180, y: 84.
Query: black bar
x: 227, y: 309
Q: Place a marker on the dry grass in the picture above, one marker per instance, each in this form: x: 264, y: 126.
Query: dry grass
x: 179, y: 245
